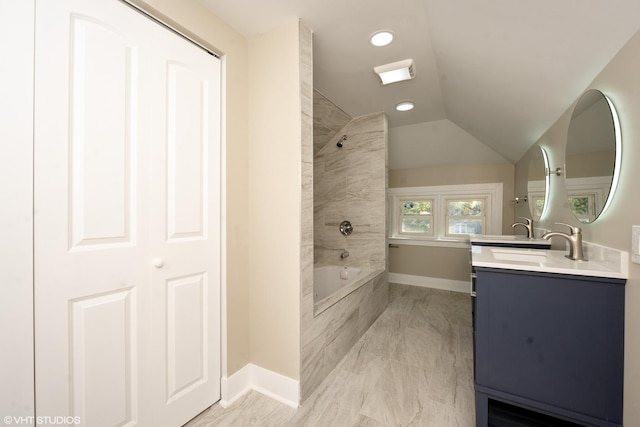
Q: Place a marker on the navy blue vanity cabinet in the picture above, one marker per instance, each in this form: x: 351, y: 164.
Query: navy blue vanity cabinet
x: 530, y: 244
x: 549, y: 343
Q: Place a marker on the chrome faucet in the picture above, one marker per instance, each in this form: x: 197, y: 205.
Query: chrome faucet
x: 528, y: 224
x: 575, y: 241
x: 344, y: 254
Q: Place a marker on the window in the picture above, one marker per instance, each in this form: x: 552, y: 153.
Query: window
x: 587, y: 196
x: 419, y: 215
x: 416, y: 217
x: 465, y: 216
x: 537, y: 191
x: 538, y: 203
x: 583, y: 207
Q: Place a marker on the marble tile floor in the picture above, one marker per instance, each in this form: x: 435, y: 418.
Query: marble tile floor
x: 413, y: 367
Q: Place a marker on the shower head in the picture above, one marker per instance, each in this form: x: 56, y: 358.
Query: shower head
x: 341, y: 140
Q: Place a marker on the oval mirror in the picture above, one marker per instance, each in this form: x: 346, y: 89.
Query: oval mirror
x: 537, y: 184
x: 593, y: 150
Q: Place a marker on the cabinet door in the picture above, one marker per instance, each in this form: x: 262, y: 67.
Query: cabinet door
x: 554, y: 340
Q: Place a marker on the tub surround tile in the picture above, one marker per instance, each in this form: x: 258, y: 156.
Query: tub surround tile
x: 313, y: 364
x: 335, y: 331
x: 340, y: 340
x: 347, y: 293
x: 375, y: 303
x: 348, y: 183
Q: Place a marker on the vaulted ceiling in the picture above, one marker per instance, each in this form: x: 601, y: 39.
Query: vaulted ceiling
x: 501, y: 70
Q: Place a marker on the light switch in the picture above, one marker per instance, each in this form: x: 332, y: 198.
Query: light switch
x: 635, y: 244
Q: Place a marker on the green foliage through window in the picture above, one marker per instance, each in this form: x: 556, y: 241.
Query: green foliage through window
x: 416, y: 216
x: 579, y: 205
x: 416, y: 208
x: 466, y: 208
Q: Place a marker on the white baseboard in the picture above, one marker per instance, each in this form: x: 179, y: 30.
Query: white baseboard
x: 253, y: 377
x: 429, y: 282
x: 235, y: 386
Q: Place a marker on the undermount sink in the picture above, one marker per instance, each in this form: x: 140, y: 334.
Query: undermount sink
x: 519, y: 255
x: 503, y: 237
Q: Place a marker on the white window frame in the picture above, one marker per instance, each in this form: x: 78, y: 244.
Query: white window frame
x: 595, y: 188
x: 537, y: 190
x: 483, y: 218
x: 490, y: 192
x: 400, y: 217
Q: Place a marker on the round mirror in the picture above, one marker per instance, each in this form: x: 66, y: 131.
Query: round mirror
x: 538, y: 183
x: 593, y: 151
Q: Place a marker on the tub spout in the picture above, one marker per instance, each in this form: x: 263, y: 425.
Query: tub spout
x: 344, y: 254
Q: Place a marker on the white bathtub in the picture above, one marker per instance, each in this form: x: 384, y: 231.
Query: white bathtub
x: 329, y: 287
x: 330, y: 279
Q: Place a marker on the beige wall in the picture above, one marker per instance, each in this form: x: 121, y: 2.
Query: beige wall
x: 619, y: 81
x: 430, y: 261
x: 275, y: 199
x: 441, y: 262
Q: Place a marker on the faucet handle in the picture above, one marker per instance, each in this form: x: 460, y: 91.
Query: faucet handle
x: 573, y: 228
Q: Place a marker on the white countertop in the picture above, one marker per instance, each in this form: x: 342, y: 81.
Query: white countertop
x: 603, y: 262
x: 507, y: 239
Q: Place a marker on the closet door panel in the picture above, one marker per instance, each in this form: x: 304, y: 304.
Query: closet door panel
x: 187, y: 141
x: 91, y: 272
x: 186, y: 334
x: 103, y: 360
x: 102, y: 139
x: 185, y: 232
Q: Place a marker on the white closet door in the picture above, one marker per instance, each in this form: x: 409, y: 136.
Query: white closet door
x: 103, y: 301
x: 185, y: 229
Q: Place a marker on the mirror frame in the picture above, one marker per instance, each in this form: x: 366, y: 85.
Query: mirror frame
x: 545, y: 172
x: 617, y: 157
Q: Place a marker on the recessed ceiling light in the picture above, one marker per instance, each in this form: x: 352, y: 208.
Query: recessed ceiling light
x: 405, y: 106
x: 381, y: 38
x: 396, y: 71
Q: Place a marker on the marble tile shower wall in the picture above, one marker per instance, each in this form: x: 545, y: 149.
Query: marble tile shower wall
x: 348, y: 184
x: 328, y: 120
